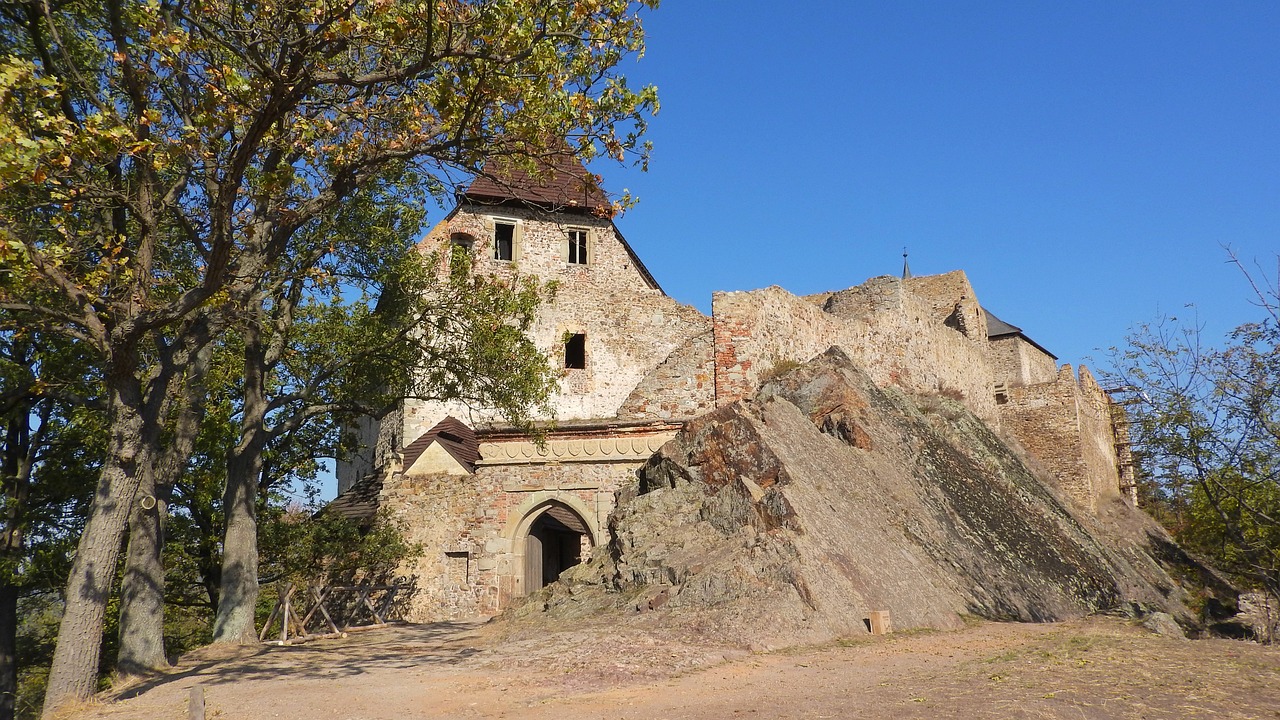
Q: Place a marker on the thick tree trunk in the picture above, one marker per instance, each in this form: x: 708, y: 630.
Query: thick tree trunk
x: 239, y: 596
x: 142, y: 589
x: 74, y: 673
x: 8, y: 651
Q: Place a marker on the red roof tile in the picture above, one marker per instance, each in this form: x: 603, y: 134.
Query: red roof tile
x: 562, y: 183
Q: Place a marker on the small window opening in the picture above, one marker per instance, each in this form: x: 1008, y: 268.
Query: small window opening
x: 575, y: 352
x: 578, y: 247
x: 503, y: 240
x: 460, y: 245
x: 462, y: 241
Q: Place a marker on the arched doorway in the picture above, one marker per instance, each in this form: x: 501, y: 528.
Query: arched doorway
x: 557, y: 540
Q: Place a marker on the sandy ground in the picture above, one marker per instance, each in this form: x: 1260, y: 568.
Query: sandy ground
x: 1096, y: 668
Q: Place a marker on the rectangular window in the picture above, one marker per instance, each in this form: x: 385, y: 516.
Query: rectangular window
x: 504, y: 235
x: 575, y: 352
x: 577, y: 247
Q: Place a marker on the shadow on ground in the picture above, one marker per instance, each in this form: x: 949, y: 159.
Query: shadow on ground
x: 401, y: 646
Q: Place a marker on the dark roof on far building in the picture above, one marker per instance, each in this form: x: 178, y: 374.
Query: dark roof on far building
x: 997, y: 328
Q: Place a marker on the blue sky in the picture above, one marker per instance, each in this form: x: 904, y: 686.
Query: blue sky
x: 1083, y: 162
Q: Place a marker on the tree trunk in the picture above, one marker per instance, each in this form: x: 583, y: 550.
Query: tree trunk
x: 16, y: 471
x: 142, y: 589
x: 239, y: 596
x: 74, y: 673
x: 8, y: 651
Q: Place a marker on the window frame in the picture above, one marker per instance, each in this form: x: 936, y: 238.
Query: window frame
x: 585, y: 246
x: 515, y: 234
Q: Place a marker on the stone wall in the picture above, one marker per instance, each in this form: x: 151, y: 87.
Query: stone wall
x: 753, y: 332
x: 471, y: 527
x: 951, y: 299
x: 631, y: 326
x: 1017, y: 362
x: 1066, y: 424
x: 1097, y: 439
x: 899, y: 338
x: 374, y: 444
x: 681, y: 387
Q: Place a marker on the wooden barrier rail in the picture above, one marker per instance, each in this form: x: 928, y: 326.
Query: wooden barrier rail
x: 353, y: 605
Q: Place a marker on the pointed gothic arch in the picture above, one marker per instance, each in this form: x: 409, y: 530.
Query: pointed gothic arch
x: 551, y: 535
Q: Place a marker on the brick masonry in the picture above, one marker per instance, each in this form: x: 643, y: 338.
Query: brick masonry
x: 1067, y: 425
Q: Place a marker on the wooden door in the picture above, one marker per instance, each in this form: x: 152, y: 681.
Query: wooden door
x: 532, y: 564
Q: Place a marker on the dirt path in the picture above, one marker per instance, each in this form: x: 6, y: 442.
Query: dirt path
x: 1097, y: 668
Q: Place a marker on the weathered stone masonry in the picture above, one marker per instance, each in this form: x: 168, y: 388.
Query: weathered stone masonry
x: 499, y: 516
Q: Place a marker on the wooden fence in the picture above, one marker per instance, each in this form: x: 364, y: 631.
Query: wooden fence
x: 313, y: 612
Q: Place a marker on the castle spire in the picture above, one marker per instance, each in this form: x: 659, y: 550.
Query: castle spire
x: 906, y: 269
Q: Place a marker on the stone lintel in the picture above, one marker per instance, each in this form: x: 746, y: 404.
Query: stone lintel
x: 634, y: 447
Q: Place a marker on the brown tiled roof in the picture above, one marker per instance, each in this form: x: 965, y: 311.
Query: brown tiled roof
x: 562, y: 183
x: 454, y: 436
x: 359, y: 502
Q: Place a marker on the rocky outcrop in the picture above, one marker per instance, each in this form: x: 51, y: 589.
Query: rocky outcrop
x: 791, y: 516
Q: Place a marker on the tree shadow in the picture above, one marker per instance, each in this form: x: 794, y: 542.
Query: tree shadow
x: 393, y: 647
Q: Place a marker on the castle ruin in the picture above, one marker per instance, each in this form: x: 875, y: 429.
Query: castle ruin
x: 499, y: 516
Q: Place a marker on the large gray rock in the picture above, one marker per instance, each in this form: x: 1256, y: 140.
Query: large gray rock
x: 791, y: 516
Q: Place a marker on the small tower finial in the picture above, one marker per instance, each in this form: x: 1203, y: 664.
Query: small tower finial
x: 906, y: 269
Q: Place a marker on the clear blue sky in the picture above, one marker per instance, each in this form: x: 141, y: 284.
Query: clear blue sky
x: 1083, y: 162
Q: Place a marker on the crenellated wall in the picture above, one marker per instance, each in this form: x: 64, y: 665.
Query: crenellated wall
x: 1067, y: 425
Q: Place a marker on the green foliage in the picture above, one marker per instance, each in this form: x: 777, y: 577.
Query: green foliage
x: 328, y: 549
x: 37, y: 633
x: 1206, y: 429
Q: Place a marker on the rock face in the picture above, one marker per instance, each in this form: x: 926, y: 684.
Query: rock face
x: 791, y: 516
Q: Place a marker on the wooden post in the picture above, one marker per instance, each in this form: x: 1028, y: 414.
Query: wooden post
x: 195, y: 705
x: 284, y: 620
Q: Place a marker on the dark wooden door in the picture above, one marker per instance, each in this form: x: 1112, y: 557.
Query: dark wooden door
x: 532, y: 564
